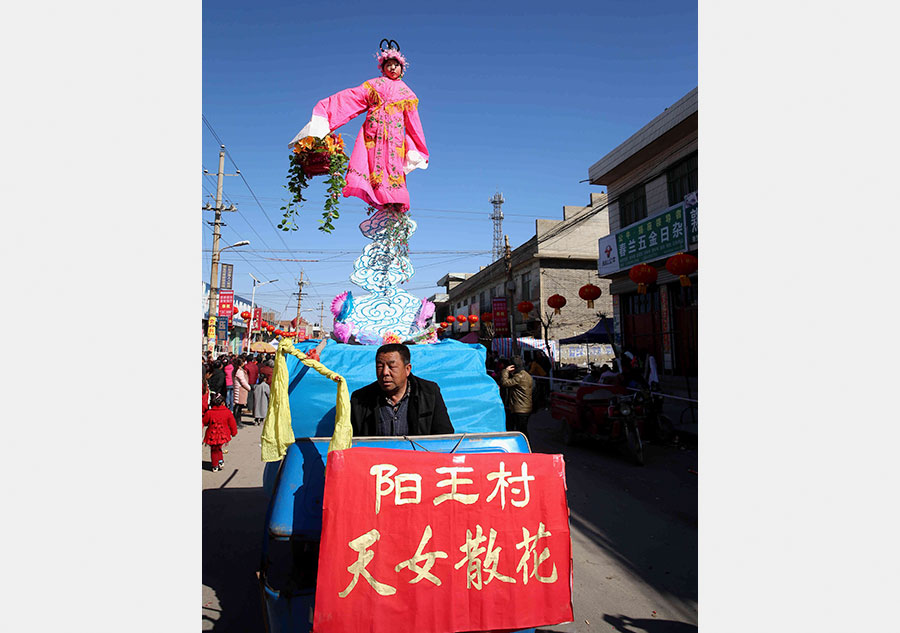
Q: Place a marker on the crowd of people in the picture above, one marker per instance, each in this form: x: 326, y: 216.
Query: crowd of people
x: 233, y: 383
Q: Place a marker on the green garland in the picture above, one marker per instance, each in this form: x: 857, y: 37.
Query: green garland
x: 298, y: 181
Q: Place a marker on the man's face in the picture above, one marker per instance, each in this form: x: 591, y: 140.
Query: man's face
x: 391, y: 372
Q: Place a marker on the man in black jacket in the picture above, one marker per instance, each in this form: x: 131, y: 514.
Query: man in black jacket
x: 398, y: 403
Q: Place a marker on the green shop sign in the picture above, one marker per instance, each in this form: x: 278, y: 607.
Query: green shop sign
x: 654, y: 238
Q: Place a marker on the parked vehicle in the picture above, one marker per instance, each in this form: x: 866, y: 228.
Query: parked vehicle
x: 648, y: 407
x: 602, y: 413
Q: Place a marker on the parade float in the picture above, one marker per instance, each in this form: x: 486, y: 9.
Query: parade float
x: 439, y: 533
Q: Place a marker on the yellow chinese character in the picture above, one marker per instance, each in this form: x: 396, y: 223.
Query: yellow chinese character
x: 429, y: 560
x: 362, y: 545
x: 383, y: 474
x: 472, y: 552
x: 492, y: 559
x: 453, y: 482
x: 529, y: 547
x: 503, y: 482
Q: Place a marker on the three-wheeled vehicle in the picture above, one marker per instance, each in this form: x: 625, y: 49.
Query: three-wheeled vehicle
x: 601, y: 413
x: 293, y: 523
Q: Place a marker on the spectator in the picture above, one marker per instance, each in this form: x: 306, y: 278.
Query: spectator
x: 398, y: 402
x: 610, y: 376
x: 252, y: 376
x: 541, y: 385
x: 241, y: 389
x: 217, y: 378
x: 266, y: 371
x: 229, y: 383
x: 520, y: 384
x: 220, y: 428
x: 260, y: 401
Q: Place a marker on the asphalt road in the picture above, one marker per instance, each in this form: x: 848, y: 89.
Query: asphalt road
x: 634, y: 535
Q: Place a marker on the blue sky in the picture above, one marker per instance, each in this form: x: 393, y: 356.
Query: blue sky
x: 513, y: 96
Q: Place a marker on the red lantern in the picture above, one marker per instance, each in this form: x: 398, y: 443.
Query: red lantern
x: 487, y: 317
x: 263, y: 324
x: 643, y: 275
x: 450, y: 319
x: 234, y: 310
x: 556, y: 302
x: 444, y: 325
x: 525, y: 307
x: 473, y: 319
x: 245, y: 315
x: 590, y: 293
x: 682, y: 264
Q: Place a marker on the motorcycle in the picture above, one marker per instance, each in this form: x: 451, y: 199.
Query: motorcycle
x: 622, y: 415
x: 648, y: 407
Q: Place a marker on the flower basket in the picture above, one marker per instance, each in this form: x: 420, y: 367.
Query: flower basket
x: 315, y: 157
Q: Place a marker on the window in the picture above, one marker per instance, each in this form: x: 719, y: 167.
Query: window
x: 482, y: 302
x: 632, y: 206
x: 682, y: 178
x: 526, y: 285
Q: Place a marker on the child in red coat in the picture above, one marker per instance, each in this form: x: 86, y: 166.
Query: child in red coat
x: 220, y: 428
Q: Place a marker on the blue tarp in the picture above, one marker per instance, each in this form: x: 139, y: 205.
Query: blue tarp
x: 472, y: 397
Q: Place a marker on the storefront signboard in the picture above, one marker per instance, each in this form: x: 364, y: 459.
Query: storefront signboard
x: 501, y: 316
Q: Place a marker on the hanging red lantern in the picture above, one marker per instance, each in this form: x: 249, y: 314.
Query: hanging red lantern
x: 450, y: 319
x: 487, y: 317
x: 525, y: 307
x: 682, y: 264
x: 263, y: 324
x: 444, y: 325
x: 245, y: 315
x: 234, y: 310
x: 590, y: 293
x: 556, y: 302
x: 643, y: 275
x: 473, y: 319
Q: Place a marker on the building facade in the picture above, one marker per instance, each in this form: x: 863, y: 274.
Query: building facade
x: 652, y: 181
x: 560, y: 258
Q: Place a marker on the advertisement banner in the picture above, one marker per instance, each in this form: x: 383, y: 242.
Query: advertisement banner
x: 501, y: 316
x: 222, y: 330
x: 226, y: 303
x: 437, y: 542
x: 608, y: 259
x: 653, y: 238
x: 664, y: 317
x: 301, y: 335
x: 227, y: 275
x: 690, y: 219
x: 257, y: 320
x: 211, y: 328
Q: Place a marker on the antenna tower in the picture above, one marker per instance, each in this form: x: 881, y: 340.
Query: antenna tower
x: 497, y: 217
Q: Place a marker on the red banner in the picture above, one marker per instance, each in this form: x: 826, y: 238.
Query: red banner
x: 438, y: 542
x: 501, y: 316
x: 226, y: 304
x: 257, y: 320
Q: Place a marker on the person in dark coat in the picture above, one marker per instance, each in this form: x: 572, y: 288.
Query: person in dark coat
x: 398, y: 403
x: 217, y: 378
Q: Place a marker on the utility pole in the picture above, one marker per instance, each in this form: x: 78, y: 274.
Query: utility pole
x: 214, y: 274
x: 322, y: 319
x: 510, y: 310
x: 299, y: 296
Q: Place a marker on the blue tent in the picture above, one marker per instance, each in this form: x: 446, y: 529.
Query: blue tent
x: 596, y: 334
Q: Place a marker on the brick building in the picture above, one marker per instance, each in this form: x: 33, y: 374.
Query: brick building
x: 651, y: 180
x: 559, y: 259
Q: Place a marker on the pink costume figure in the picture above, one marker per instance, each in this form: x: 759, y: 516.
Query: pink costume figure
x: 391, y: 142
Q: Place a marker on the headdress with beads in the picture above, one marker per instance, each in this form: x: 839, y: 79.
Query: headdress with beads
x: 390, y: 49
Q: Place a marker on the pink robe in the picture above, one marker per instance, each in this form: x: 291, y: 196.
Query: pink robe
x: 390, y: 144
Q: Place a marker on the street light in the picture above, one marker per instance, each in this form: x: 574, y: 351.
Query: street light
x: 214, y: 280
x: 256, y: 282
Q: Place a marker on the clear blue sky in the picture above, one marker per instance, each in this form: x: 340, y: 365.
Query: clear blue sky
x: 513, y: 96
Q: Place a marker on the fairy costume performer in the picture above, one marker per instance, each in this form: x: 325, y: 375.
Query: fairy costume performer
x: 391, y: 143
x: 389, y: 146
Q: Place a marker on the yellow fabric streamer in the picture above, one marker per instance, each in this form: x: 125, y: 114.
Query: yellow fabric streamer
x: 277, y: 433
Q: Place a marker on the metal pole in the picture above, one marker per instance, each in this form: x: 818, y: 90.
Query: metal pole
x: 250, y: 324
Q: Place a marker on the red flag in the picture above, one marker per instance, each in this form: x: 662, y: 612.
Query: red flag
x: 438, y: 542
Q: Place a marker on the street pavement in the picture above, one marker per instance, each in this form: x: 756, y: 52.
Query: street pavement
x: 634, y: 535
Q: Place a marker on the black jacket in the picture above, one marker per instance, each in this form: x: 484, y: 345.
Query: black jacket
x: 217, y: 381
x: 426, y: 415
